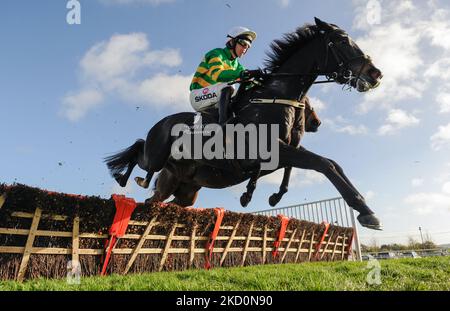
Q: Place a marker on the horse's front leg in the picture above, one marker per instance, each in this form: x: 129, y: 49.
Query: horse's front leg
x: 302, y: 158
x: 246, y: 197
x: 275, y: 198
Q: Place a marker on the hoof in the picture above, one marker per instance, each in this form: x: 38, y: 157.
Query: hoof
x: 274, y: 199
x: 142, y: 182
x: 119, y: 178
x: 370, y: 221
x: 245, y: 199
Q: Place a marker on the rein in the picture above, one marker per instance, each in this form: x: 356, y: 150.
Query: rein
x: 343, y: 72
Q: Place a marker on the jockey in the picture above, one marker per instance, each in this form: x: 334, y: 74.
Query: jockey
x: 220, y: 66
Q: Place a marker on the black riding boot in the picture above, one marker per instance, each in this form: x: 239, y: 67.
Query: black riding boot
x: 224, y: 103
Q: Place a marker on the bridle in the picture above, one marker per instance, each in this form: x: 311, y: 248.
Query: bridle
x: 343, y: 72
x: 343, y: 75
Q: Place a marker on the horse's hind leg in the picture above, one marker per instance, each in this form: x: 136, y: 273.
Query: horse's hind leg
x: 127, y: 158
x: 144, y: 182
x: 154, y: 155
x: 276, y: 197
x: 302, y: 158
x: 246, y: 197
x: 123, y: 179
x: 186, y: 194
x: 166, y: 184
x: 341, y: 172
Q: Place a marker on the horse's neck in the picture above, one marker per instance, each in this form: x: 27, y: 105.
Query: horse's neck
x: 303, y: 61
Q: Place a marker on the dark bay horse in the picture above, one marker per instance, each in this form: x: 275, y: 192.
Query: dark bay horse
x: 167, y: 183
x: 296, y: 62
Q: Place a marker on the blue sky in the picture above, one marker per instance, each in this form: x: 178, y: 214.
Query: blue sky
x: 72, y: 94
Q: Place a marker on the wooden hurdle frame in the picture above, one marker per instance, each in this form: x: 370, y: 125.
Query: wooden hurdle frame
x: 335, y: 246
x: 314, y: 244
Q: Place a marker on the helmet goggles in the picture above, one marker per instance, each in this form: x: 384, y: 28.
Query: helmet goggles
x: 244, y: 42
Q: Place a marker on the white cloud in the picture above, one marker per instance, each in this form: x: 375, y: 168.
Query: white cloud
x: 299, y: 178
x: 275, y: 178
x: 429, y: 203
x: 121, y: 66
x: 317, y: 104
x: 443, y: 175
x: 124, y: 55
x: 127, y: 190
x: 369, y: 195
x: 441, y: 138
x: 394, y: 49
x: 166, y: 89
x: 341, y: 125
x: 353, y: 130
x: 284, y: 3
x: 446, y: 188
x: 398, y: 46
x: 364, y: 12
x: 438, y: 28
x: 124, y: 2
x: 443, y: 99
x: 439, y: 69
x: 417, y: 182
x: 396, y: 120
x: 76, y: 106
x: 120, y: 55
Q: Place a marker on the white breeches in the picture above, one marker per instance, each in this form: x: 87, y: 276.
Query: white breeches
x: 208, y: 96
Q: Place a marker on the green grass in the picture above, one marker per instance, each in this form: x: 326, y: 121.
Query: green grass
x: 402, y: 274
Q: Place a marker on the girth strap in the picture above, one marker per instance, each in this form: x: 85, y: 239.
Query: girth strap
x: 289, y: 102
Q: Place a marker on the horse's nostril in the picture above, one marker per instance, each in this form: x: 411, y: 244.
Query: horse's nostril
x: 376, y: 74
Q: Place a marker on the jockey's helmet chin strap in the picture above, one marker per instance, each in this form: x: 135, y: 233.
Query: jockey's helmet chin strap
x: 232, y: 47
x: 234, y: 53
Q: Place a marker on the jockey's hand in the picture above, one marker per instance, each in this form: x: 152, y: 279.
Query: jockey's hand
x: 252, y: 74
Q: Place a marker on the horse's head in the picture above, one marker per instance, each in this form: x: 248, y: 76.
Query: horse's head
x: 312, y: 121
x: 349, y: 63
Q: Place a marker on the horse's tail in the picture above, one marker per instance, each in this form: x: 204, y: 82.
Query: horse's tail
x: 118, y: 162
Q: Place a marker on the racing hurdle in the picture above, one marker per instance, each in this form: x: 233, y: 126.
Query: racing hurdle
x: 334, y: 211
x: 53, y: 235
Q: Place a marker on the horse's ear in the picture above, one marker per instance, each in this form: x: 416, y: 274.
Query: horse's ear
x: 322, y: 25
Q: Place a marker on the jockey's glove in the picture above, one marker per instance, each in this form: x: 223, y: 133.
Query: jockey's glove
x: 252, y: 74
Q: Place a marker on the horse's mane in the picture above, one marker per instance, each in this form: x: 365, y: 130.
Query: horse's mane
x: 282, y: 49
